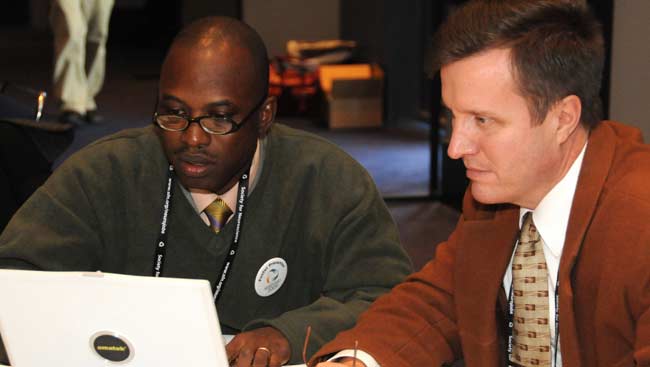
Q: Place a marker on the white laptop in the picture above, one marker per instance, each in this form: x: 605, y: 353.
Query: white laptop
x: 78, y: 319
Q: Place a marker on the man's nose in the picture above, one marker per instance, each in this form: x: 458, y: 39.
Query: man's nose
x: 461, y: 144
x: 195, y: 136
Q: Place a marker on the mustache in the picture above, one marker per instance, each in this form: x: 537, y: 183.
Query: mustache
x: 193, y: 156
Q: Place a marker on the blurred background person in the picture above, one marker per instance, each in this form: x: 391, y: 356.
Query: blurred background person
x: 80, y: 30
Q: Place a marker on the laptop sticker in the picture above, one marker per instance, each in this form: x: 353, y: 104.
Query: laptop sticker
x: 111, y: 347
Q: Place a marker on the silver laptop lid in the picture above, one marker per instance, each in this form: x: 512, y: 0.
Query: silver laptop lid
x: 79, y: 319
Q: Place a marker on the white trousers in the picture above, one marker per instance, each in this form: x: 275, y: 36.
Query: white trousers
x: 80, y: 30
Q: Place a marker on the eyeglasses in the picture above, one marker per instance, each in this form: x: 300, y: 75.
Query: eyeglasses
x: 211, y: 124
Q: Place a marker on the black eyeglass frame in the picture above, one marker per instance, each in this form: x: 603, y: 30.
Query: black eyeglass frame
x: 234, y: 126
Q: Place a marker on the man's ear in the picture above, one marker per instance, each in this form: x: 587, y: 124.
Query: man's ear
x: 568, y: 113
x: 267, y: 115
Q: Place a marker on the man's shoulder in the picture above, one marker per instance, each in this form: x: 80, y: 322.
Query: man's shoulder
x: 131, y: 149
x: 619, y: 131
x: 143, y: 137
x: 125, y: 142
x: 299, y: 146
x: 301, y: 137
x: 312, y: 160
x: 630, y: 158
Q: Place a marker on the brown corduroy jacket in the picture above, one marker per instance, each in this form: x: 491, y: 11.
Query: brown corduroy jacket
x: 454, y: 308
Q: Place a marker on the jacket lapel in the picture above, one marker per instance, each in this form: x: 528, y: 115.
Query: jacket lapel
x: 486, y: 249
x: 595, y: 167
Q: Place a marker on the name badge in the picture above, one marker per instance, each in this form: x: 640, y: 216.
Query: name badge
x: 270, y: 277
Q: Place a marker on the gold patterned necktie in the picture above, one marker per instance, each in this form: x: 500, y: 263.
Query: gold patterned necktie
x: 218, y: 213
x: 531, y: 334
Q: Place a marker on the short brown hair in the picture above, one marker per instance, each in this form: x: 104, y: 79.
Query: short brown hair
x: 556, y: 48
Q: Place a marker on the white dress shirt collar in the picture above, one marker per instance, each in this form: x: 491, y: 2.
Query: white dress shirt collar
x: 551, y: 216
x: 201, y: 199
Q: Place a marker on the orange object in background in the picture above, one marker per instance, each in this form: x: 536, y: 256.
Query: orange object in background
x: 295, y: 86
x: 354, y: 94
x: 347, y: 72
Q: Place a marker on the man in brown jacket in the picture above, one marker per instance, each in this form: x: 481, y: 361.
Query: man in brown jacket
x: 521, y: 80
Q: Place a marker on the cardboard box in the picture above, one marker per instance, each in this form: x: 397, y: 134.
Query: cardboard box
x: 354, y: 95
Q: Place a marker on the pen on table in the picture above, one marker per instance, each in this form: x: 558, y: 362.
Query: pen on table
x: 304, y: 346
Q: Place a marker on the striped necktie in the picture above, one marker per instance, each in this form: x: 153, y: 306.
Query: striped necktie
x: 218, y: 213
x: 532, y: 335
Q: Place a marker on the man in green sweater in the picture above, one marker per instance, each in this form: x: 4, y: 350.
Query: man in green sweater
x: 290, y: 231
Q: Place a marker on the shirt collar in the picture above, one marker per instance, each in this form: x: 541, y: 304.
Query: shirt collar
x: 551, y: 216
x: 203, y: 198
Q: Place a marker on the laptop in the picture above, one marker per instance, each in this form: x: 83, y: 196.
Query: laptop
x: 77, y: 319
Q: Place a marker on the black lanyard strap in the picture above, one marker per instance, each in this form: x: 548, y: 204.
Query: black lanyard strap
x: 161, y: 243
x: 242, y: 193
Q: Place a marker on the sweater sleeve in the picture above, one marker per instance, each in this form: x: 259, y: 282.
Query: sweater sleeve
x: 361, y: 260
x: 56, y: 228
x: 89, y: 211
x: 416, y: 323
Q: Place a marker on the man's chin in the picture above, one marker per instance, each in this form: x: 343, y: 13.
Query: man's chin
x: 483, y: 195
x: 204, y: 184
x: 197, y: 183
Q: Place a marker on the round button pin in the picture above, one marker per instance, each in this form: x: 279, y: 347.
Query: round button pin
x: 271, y: 276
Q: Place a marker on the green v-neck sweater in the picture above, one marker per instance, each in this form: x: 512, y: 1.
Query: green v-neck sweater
x: 312, y: 205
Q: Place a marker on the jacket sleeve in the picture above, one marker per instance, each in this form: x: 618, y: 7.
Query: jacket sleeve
x: 641, y: 306
x: 361, y: 259
x: 413, y: 325
x: 642, y: 342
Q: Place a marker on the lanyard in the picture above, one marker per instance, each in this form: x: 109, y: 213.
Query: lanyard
x: 161, y: 243
x: 511, y: 317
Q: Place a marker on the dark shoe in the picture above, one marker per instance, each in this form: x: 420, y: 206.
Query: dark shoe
x: 92, y: 117
x: 71, y: 117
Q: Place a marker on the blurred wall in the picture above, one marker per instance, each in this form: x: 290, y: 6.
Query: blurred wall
x: 278, y: 21
x: 630, y: 76
x: 38, y: 14
x: 39, y: 10
x: 194, y: 9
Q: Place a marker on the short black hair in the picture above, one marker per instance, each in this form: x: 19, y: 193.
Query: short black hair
x: 225, y: 29
x: 556, y: 46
